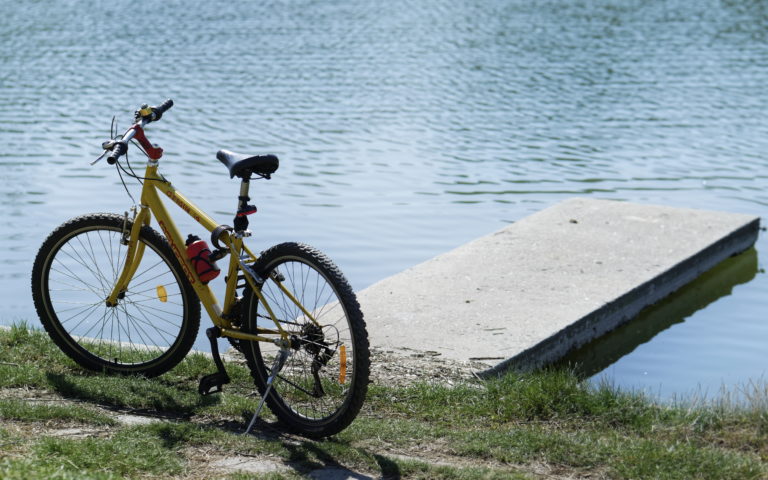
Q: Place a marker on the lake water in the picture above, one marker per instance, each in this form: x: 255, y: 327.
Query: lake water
x: 406, y: 129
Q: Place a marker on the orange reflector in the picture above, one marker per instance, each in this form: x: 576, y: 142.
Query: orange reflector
x: 162, y: 294
x: 343, y: 366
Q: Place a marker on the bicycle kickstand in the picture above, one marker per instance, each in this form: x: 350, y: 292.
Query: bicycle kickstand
x: 214, y: 382
x: 276, y: 367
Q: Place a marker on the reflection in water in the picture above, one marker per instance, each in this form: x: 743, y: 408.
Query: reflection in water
x: 711, y: 286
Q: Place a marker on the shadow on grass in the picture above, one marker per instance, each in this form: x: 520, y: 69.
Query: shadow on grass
x: 139, y: 394
x: 310, y: 457
x: 389, y: 469
x: 324, y: 459
x: 319, y: 459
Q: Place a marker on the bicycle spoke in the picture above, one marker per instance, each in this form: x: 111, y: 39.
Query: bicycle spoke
x: 149, y: 322
x: 85, y: 311
x: 75, y: 277
x: 155, y: 309
x: 108, y: 252
x: 166, y: 272
x: 90, y: 265
x: 78, y: 307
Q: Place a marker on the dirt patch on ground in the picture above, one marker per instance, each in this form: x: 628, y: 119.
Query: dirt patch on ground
x: 405, y: 367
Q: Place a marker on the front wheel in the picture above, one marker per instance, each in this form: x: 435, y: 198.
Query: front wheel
x: 323, y: 383
x: 155, y: 321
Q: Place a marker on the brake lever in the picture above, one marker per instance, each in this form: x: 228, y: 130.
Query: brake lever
x: 100, y: 157
x: 109, y: 144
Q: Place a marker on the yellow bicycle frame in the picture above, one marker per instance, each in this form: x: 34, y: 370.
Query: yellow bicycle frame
x: 240, y: 259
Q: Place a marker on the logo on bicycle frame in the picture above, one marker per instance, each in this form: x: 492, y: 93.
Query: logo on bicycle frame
x: 172, y: 195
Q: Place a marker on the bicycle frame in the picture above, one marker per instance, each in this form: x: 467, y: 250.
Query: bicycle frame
x: 240, y: 258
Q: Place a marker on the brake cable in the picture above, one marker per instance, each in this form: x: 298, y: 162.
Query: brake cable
x: 123, y: 180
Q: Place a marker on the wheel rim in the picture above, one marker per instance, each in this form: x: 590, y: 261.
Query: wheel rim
x: 147, y: 322
x: 329, y: 346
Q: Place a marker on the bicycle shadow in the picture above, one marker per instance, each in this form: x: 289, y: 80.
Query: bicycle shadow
x: 162, y: 405
x: 309, y: 457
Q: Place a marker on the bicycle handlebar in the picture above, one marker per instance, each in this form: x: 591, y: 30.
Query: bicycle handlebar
x: 144, y: 115
x: 119, y: 149
x: 159, y: 111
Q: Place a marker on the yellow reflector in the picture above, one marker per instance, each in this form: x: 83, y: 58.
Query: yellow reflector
x: 162, y: 294
x: 343, y: 366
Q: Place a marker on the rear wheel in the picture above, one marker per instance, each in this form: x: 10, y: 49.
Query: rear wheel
x: 154, y: 323
x: 322, y: 385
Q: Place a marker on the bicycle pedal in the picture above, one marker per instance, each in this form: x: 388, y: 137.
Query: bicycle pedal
x: 213, y: 383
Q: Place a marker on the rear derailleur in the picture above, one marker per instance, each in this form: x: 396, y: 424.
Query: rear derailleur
x: 313, y: 341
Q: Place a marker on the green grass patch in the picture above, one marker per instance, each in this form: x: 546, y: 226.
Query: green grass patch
x: 129, y: 452
x: 556, y: 396
x: 21, y: 410
x: 486, y: 430
x: 624, y: 457
x: 28, y: 469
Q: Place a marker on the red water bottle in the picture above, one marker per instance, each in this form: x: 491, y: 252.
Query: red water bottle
x: 199, y: 253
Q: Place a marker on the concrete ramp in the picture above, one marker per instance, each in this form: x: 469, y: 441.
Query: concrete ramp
x: 526, y: 295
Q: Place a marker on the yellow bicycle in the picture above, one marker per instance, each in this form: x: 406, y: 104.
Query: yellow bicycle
x: 118, y: 297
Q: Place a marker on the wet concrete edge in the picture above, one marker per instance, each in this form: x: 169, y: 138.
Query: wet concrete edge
x: 626, y: 307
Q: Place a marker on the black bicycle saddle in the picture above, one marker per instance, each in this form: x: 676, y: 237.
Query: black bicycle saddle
x: 241, y: 165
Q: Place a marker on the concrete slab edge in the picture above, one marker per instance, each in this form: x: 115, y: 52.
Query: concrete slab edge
x: 629, y: 305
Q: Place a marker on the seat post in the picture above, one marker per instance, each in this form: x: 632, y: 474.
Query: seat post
x: 243, y: 208
x: 242, y: 200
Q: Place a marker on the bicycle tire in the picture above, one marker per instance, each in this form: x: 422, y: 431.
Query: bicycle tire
x: 325, y: 293
x: 153, y: 325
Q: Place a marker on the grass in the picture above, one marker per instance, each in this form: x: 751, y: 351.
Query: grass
x: 515, y: 427
x: 27, y: 411
x: 128, y: 453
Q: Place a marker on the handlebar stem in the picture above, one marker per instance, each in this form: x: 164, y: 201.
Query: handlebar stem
x: 131, y: 132
x: 153, y: 152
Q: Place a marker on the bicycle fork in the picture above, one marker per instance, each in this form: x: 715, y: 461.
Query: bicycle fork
x: 133, y: 255
x: 276, y: 367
